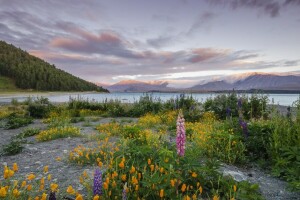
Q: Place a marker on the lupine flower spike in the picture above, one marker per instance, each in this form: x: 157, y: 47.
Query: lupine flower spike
x: 98, y: 182
x: 124, y: 193
x: 181, y: 136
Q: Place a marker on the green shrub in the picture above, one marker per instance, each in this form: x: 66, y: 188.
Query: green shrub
x: 39, y: 108
x: 16, y: 121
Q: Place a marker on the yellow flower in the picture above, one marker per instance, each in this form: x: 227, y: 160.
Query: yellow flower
x: 37, y: 198
x: 200, y: 190
x: 194, y: 197
x: 23, y: 184
x: 132, y: 170
x: 215, y: 197
x: 49, y: 177
x: 15, y: 167
x: 42, y: 186
x: 234, y: 188
x: 96, y: 197
x: 136, y: 187
x: 79, y: 197
x: 172, y: 182
x: 53, y: 187
x: 152, y: 168
x: 183, y: 187
x: 149, y: 161
x: 100, y: 164
x: 194, y: 175
x: 187, y: 198
x: 30, y: 177
x: 161, y: 193
x: 46, y: 168
x: 161, y: 170
x: 3, y: 192
x: 29, y: 187
x: 105, y: 185
x: 232, y: 198
x: 44, y: 196
x: 121, y: 164
x: 70, y: 190
x: 123, y: 177
x: 16, y: 193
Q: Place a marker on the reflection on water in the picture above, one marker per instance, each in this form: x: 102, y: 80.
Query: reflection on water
x: 282, y: 99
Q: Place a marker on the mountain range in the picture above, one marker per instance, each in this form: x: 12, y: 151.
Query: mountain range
x: 253, y: 81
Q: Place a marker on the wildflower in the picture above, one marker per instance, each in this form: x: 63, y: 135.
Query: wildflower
x: 124, y: 193
x: 152, y: 168
x: 16, y: 193
x: 216, y: 197
x: 3, y: 192
x: 96, y: 197
x: 79, y: 197
x: 98, y: 182
x: 234, y: 188
x: 49, y: 177
x: 15, y: 167
x: 194, y: 175
x: 44, y: 196
x: 23, y: 184
x: 181, y: 136
x: 46, y: 169
x: 105, y: 185
x: 161, y: 193
x: 172, y: 182
x: 30, y: 177
x: 70, y: 190
x: 194, y: 197
x: 53, y: 187
x: 121, y: 164
x: 200, y: 190
x: 132, y: 170
x: 183, y: 187
x: 123, y: 177
x: 149, y: 161
x: 29, y: 187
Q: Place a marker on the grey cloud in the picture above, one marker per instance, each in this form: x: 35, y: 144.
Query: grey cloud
x: 202, y: 21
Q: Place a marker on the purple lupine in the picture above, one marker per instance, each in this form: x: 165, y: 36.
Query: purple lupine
x: 98, y: 182
x: 52, y: 196
x: 180, y: 137
x: 244, y: 126
x: 124, y: 193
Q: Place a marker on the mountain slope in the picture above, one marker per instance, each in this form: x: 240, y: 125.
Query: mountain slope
x: 255, y: 81
x: 30, y: 72
x: 137, y: 86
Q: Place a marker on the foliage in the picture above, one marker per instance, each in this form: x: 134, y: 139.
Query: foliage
x: 59, y: 132
x: 30, y: 72
x: 225, y: 105
x: 16, y: 121
x: 28, y: 132
x: 14, y: 147
x: 40, y: 107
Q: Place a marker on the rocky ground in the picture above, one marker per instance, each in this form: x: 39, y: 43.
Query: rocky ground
x: 36, y: 155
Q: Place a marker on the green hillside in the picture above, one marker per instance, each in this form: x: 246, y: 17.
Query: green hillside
x: 30, y: 72
x: 7, y: 84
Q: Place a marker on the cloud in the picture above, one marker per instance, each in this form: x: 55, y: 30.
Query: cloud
x: 202, y: 21
x: 160, y: 41
x: 106, y: 43
x: 269, y: 7
x: 204, y: 54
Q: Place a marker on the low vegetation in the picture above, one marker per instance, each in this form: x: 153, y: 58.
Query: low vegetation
x: 173, y: 150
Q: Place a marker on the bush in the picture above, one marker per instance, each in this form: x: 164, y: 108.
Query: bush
x: 39, y: 108
x: 15, y: 121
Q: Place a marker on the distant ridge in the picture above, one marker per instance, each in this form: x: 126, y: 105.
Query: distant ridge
x: 30, y: 72
x: 139, y: 86
x: 256, y: 81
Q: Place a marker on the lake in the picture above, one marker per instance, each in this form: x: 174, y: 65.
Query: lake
x: 282, y: 99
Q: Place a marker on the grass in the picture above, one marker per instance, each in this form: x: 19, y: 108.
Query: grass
x: 7, y: 84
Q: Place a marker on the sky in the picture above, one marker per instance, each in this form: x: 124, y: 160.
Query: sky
x: 180, y: 41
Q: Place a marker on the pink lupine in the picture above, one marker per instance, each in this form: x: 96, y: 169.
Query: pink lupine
x: 180, y: 138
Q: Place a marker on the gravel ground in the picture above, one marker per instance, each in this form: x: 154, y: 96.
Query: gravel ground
x: 36, y: 155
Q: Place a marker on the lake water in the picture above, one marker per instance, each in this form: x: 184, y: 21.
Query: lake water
x: 282, y: 99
